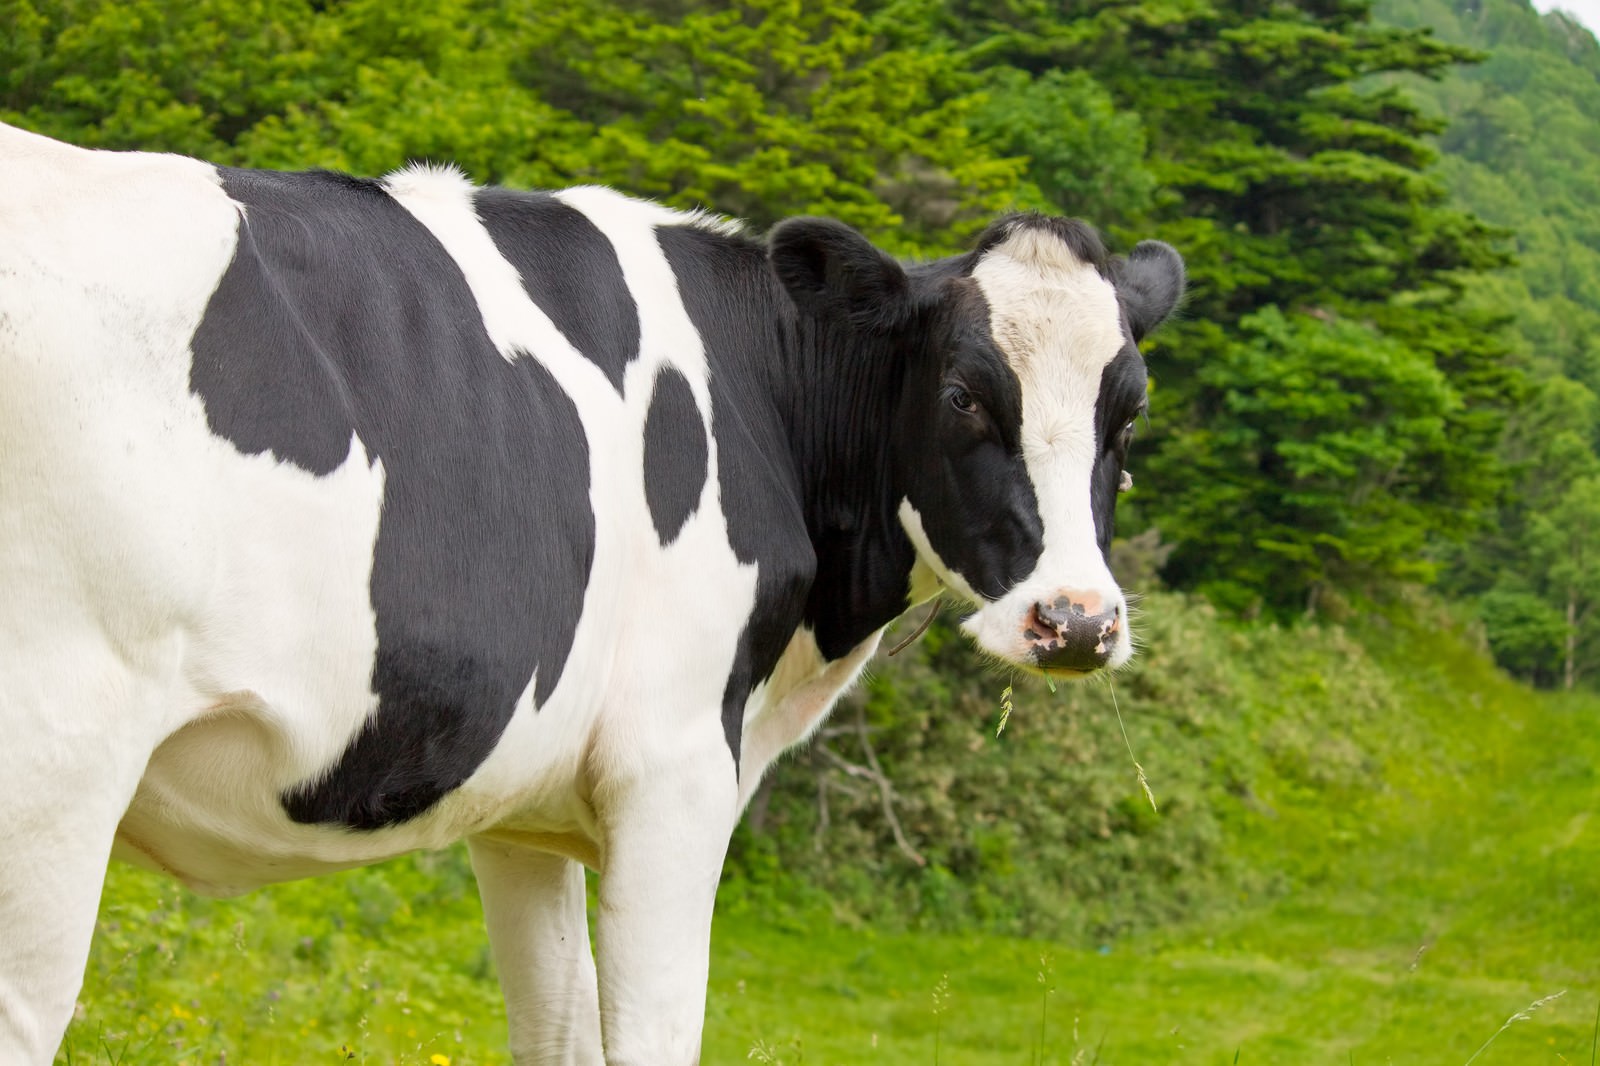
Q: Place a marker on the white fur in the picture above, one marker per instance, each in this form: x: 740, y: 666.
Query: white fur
x: 1058, y: 322
x: 808, y: 686
x: 929, y: 560
x: 186, y: 631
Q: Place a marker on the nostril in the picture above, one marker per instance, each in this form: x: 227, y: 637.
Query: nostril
x: 1056, y: 617
x: 1042, y: 625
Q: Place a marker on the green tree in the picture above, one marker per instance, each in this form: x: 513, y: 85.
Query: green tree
x: 1519, y: 151
x: 1550, y: 447
x: 767, y: 108
x: 1084, y: 154
x: 760, y: 108
x: 1526, y: 632
x: 1317, y: 464
x: 1565, y: 544
x: 152, y: 75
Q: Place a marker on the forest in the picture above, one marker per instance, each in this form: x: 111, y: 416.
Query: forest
x: 1365, y: 507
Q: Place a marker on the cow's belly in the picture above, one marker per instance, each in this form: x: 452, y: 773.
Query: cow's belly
x: 209, y: 812
x: 274, y: 682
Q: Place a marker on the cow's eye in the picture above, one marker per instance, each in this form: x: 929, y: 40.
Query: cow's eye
x: 962, y: 401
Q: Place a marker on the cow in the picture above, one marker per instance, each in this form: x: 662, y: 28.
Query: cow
x: 342, y: 517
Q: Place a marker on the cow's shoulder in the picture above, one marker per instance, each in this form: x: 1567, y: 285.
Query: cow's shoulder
x: 739, y: 314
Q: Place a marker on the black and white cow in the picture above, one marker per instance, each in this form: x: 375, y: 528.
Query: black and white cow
x: 340, y: 518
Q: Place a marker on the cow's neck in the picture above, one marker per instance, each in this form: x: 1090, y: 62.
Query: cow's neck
x: 834, y: 403
x: 841, y: 422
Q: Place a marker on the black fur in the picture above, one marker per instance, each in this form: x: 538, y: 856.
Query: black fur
x: 570, y: 271
x: 964, y: 471
x: 342, y: 316
x: 1150, y: 283
x: 742, y: 321
x: 1122, y: 400
x: 675, y: 454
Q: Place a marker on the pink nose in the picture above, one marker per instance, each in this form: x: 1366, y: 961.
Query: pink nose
x: 1073, y: 631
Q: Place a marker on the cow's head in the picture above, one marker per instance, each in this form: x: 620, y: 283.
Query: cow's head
x: 1021, y: 385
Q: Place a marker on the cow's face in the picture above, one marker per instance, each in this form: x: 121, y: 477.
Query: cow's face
x: 1021, y: 387
x: 1061, y: 338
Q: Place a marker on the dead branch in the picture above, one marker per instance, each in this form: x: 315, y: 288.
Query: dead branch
x: 822, y: 814
x: 876, y: 775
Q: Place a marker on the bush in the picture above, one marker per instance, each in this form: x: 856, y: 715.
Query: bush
x: 1045, y: 830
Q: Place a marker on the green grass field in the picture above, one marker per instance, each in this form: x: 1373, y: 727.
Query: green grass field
x: 1405, y: 927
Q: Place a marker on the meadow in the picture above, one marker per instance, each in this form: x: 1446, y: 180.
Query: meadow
x: 1407, y: 924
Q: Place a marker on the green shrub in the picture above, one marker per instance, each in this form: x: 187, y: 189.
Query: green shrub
x: 1045, y: 829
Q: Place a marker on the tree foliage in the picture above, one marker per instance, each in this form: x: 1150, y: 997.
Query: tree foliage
x: 1318, y: 462
x: 760, y: 109
x: 1293, y: 443
x: 1519, y: 150
x: 769, y: 108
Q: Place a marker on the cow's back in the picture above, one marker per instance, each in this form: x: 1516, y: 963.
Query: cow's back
x: 106, y: 263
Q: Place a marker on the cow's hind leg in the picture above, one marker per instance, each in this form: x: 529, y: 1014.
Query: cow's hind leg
x: 69, y: 763
x: 533, y: 904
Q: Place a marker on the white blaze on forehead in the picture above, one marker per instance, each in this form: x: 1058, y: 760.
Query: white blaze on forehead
x: 1057, y: 320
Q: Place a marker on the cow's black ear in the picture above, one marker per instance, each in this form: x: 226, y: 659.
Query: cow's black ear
x: 1151, y: 284
x: 831, y: 270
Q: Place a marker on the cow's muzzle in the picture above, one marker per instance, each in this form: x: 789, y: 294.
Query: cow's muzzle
x: 1073, y: 631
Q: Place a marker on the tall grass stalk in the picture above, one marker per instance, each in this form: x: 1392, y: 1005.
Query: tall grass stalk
x: 1047, y: 986
x: 1521, y: 1016
x: 1594, y: 1042
x: 1144, y: 782
x: 1005, y: 711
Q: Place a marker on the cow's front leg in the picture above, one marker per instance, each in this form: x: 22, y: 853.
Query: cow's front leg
x: 534, y: 907
x: 70, y: 759
x: 666, y: 833
x: 54, y: 843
